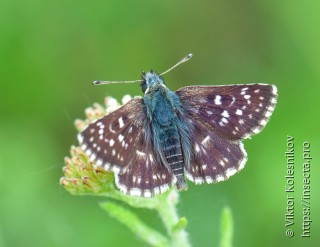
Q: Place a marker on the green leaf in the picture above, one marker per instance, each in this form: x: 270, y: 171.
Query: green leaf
x: 181, y: 225
x: 226, y: 227
x: 129, y: 219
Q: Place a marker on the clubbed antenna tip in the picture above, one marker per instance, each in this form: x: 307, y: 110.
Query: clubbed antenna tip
x: 185, y: 59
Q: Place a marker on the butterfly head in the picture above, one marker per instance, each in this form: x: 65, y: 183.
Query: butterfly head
x: 151, y: 80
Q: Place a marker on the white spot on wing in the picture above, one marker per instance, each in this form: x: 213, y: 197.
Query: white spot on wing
x: 225, y: 114
x: 198, y: 180
x: 135, y: 192
x: 268, y: 114
x: 147, y: 193
x: 205, y: 139
x: 256, y: 130
x: 239, y: 112
x: 164, y: 188
x: 99, y: 162
x: 120, y: 138
x: 116, y: 169
x: 224, y: 120
x: 92, y: 157
x: 244, y: 160
x: 217, y: 100
x: 209, y: 112
x: 197, y: 148
x: 222, y: 163
x: 88, y: 152
x: 263, y: 122
x: 151, y: 158
x: 233, y: 100
x: 230, y: 172
x: 140, y: 153
x: 111, y: 142
x: 270, y: 108
x: 121, y: 124
x: 110, y: 128
x: 219, y: 178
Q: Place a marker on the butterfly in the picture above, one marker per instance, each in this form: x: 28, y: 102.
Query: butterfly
x: 163, y: 138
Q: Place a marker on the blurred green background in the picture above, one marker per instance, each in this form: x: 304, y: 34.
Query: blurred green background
x: 51, y: 51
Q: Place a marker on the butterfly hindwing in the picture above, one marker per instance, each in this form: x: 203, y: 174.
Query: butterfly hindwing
x: 145, y: 174
x: 214, y: 158
x: 232, y: 111
x: 118, y: 142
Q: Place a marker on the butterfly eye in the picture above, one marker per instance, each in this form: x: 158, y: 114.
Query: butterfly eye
x: 144, y: 87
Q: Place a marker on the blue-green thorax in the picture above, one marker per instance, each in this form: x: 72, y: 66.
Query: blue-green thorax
x: 161, y: 102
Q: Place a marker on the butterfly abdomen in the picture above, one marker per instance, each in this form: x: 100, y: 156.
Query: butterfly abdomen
x: 171, y: 147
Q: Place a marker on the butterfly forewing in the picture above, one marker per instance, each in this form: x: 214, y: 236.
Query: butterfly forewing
x: 110, y: 140
x: 214, y: 158
x: 118, y: 142
x: 232, y: 111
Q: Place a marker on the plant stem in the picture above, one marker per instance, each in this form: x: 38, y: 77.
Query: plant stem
x: 168, y: 214
x: 137, y: 226
x: 165, y: 205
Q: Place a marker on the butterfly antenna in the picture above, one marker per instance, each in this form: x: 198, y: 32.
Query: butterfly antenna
x: 113, y: 82
x: 185, y: 59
